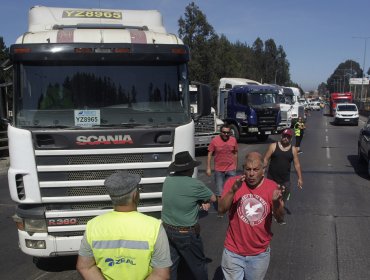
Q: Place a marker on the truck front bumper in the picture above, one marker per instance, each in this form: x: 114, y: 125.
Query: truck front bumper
x: 202, y: 141
x: 54, y: 246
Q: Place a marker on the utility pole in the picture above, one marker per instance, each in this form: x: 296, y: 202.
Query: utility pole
x: 363, y: 65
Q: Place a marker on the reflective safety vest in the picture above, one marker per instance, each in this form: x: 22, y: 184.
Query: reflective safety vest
x: 297, y: 130
x: 123, y: 243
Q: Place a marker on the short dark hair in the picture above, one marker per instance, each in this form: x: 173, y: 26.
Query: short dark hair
x: 225, y: 125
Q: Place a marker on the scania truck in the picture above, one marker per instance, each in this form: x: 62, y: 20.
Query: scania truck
x: 249, y: 108
x: 95, y: 91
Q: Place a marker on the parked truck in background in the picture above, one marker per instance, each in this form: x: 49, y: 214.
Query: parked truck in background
x: 249, y: 109
x: 297, y: 109
x: 339, y: 97
x: 206, y: 127
x: 96, y: 91
x: 5, y: 113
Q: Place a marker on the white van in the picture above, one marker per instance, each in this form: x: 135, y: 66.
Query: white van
x: 346, y: 113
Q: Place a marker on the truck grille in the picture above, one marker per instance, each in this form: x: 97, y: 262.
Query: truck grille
x: 205, y: 124
x: 267, y: 118
x: 101, y: 159
x: 284, y: 115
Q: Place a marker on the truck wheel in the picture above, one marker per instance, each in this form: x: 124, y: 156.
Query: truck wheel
x: 234, y: 132
x: 262, y: 137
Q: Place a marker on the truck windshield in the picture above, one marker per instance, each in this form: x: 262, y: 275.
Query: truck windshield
x: 347, y: 108
x: 341, y: 100
x: 259, y: 98
x: 101, y: 96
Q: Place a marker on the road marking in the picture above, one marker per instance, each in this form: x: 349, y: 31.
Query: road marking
x: 327, y: 148
x: 326, y: 130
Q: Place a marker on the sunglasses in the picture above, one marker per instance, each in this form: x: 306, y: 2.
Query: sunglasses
x: 286, y: 136
x: 226, y: 132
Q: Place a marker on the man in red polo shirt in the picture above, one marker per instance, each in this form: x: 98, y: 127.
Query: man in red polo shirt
x: 224, y: 148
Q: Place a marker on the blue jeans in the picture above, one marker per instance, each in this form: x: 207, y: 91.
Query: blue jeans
x: 220, y: 179
x: 189, y: 247
x: 237, y: 267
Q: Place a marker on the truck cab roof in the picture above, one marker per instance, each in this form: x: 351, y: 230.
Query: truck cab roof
x: 254, y: 88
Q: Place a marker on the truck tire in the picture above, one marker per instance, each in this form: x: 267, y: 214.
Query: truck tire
x: 235, y: 132
x: 262, y: 137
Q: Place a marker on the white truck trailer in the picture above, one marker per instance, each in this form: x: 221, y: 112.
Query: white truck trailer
x: 95, y: 91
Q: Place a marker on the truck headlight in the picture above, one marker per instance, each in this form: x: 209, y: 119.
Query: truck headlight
x: 35, y: 225
x: 35, y: 244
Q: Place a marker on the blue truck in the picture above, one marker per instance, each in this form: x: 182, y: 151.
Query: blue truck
x: 251, y: 109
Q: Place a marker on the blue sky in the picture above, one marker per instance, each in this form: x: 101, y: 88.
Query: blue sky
x: 317, y: 35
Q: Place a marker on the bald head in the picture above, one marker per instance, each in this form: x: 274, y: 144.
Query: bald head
x: 254, y: 157
x: 253, y: 169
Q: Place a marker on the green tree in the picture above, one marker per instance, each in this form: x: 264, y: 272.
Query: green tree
x: 5, y: 76
x: 198, y: 34
x: 339, y: 80
x: 282, y: 75
x: 270, y: 61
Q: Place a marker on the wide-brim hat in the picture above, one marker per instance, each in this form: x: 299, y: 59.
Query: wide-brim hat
x: 183, y: 161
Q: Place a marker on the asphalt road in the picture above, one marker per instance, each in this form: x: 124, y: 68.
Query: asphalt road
x: 326, y: 236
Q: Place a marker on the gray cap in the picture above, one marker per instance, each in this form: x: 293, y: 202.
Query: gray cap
x: 121, y: 183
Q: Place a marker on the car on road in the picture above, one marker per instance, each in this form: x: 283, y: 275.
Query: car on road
x: 346, y: 113
x: 364, y: 146
x: 314, y: 106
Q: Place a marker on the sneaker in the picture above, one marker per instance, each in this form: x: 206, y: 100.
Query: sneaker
x: 281, y: 222
x: 219, y: 216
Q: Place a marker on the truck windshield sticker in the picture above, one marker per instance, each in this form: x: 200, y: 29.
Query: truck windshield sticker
x: 87, y: 118
x: 91, y: 14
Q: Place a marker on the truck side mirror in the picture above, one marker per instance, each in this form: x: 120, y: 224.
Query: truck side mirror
x: 204, y: 102
x: 4, y: 121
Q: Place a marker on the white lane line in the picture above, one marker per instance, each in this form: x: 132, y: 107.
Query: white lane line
x: 328, y: 153
x: 327, y: 148
x: 326, y: 130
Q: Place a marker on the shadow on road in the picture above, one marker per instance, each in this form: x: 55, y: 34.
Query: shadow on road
x: 56, y: 264
x: 360, y: 169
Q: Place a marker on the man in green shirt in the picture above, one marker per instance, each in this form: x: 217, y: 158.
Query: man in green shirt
x: 182, y: 198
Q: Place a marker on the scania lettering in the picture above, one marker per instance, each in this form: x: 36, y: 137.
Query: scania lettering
x: 106, y: 140
x: 95, y: 92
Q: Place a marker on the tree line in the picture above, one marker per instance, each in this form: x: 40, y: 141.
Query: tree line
x: 214, y: 56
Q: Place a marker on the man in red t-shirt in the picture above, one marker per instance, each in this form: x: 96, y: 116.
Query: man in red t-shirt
x: 224, y: 148
x: 251, y: 201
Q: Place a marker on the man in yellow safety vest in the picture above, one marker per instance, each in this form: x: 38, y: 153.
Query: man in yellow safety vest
x: 124, y: 244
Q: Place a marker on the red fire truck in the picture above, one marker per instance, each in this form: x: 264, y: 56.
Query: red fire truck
x: 339, y: 97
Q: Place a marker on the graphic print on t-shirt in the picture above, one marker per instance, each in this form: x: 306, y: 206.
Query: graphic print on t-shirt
x: 252, y: 209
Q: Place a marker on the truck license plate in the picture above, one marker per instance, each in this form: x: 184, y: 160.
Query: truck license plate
x: 267, y: 132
